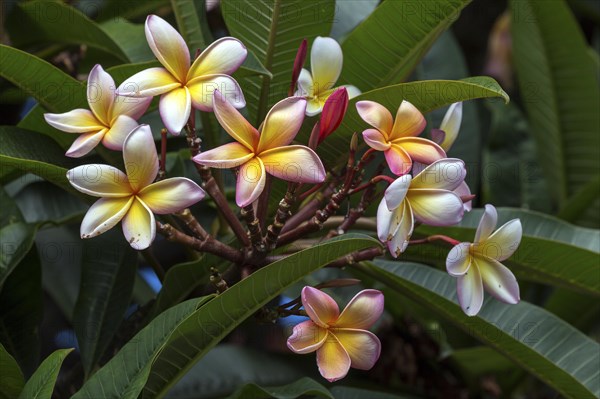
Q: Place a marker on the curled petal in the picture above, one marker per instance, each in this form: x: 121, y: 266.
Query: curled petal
x: 305, y: 84
x: 224, y: 157
x: 376, y: 115
x: 85, y: 143
x: 203, y: 88
x: 171, y: 195
x: 134, y: 107
x: 445, y: 174
x: 99, y: 180
x: 250, y: 182
x: 376, y: 140
x: 470, y: 291
x: 498, y: 280
x: 306, y: 337
x: 326, y: 63
x: 398, y: 160
x: 139, y: 154
x: 409, y: 121
x: 362, y: 346
x: 139, y: 226
x: 100, y: 93
x: 451, y: 125
x: 148, y: 83
x: 487, y: 224
x: 458, y: 260
x: 168, y: 46
x: 436, y: 207
x: 223, y: 56
x: 384, y: 220
x: 319, y: 306
x: 437, y: 136
x: 396, y: 192
x: 314, y: 106
x: 76, y: 121
x: 115, y: 137
x: 353, y: 91
x: 403, y: 226
x: 103, y: 215
x: 332, y: 359
x: 175, y: 107
x: 505, y: 241
x: 463, y: 190
x: 295, y: 163
x: 362, y: 311
x: 234, y: 123
x: 282, y: 123
x: 420, y: 149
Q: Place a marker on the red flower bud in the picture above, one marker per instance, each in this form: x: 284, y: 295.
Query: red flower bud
x: 333, y: 112
x: 298, y: 64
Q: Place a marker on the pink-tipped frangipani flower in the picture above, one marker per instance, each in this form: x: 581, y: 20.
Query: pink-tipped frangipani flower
x: 398, y: 138
x: 109, y: 119
x: 326, y: 61
x: 132, y: 197
x: 341, y: 340
x: 428, y: 197
x: 180, y: 85
x: 477, y: 265
x: 265, y: 151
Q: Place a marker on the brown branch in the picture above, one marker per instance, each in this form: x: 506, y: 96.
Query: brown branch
x: 283, y: 213
x: 191, y: 223
x: 308, y: 210
x: 256, y: 237
x: 357, y: 256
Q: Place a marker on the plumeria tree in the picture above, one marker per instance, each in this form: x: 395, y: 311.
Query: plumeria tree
x: 241, y: 174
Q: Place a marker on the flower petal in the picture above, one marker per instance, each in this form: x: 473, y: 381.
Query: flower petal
x: 362, y: 311
x: 250, y: 182
x: 100, y: 93
x: 139, y: 226
x: 469, y: 290
x: 458, y: 260
x: 295, y: 163
x: 134, y: 107
x: 505, y: 241
x: 403, y: 226
x: 314, y: 106
x: 436, y: 207
x: 171, y: 195
x: 362, y: 346
x: 398, y: 160
x: 99, y: 180
x: 375, y: 140
x: 175, y: 107
x: 306, y: 337
x: 384, y: 220
x: 226, y: 156
x: 148, y: 83
x: 305, y: 84
x: 445, y: 174
x: 282, y: 123
x: 168, y: 46
x: 463, y: 190
x: 139, y: 154
x: 319, y: 306
x: 353, y: 91
x: 451, y: 125
x: 498, y: 280
x: 487, y: 224
x: 420, y: 149
x: 115, y: 137
x: 409, y: 121
x: 332, y: 359
x: 376, y: 115
x: 76, y: 121
x: 396, y: 192
x: 203, y: 88
x: 223, y: 56
x: 103, y: 215
x: 234, y: 123
x: 326, y: 63
x: 85, y: 143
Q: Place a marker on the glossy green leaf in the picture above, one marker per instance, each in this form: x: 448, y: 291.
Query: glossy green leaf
x: 538, y: 341
x: 189, y: 24
x: 577, y: 205
x: 349, y: 14
x: 45, y: 202
x: 12, y: 377
x: 131, y: 39
x: 41, y: 383
x: 386, y: 47
x: 301, y: 387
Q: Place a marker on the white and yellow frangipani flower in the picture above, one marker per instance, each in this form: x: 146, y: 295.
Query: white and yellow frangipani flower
x: 132, y: 197
x: 109, y: 120
x: 477, y: 265
x: 428, y: 197
x: 326, y: 60
x: 180, y: 85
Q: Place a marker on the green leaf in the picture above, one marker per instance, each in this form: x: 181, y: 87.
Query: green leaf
x: 538, y: 341
x: 47, y: 21
x: 44, y: 202
x: 130, y: 38
x: 304, y: 386
x: 17, y: 240
x: 581, y: 201
x: 109, y: 267
x: 128, y: 9
x: 273, y: 30
x: 342, y: 392
x: 551, y: 251
x: 12, y: 377
x: 189, y: 24
x: 252, y: 67
x: 348, y: 14
x: 41, y: 383
x: 559, y: 85
x: 211, y: 323
x: 377, y: 55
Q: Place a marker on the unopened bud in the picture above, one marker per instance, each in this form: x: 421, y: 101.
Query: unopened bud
x: 333, y: 113
x: 298, y: 64
x: 354, y: 142
x: 313, y: 141
x: 467, y: 198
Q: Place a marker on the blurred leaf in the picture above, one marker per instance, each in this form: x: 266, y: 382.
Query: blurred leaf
x: 130, y: 38
x: 546, y: 346
x: 129, y: 9
x: 342, y: 392
x: 301, y: 387
x: 581, y: 201
x: 12, y: 377
x: 109, y: 267
x: 44, y: 202
x: 478, y: 361
x: 394, y: 52
x: 189, y: 23
x: 348, y: 14
x: 41, y: 383
x: 17, y: 240
x: 574, y: 308
x: 10, y: 211
x: 273, y: 30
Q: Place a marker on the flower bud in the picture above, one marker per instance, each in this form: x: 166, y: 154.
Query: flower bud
x: 298, y: 64
x: 333, y: 112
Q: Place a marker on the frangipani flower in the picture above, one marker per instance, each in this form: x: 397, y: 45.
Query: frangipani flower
x: 428, y: 198
x: 109, y: 121
x: 265, y: 151
x: 326, y: 61
x: 398, y: 139
x: 180, y: 85
x: 131, y: 197
x: 341, y: 340
x: 477, y: 265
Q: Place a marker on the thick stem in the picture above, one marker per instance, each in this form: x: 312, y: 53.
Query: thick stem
x: 256, y: 237
x: 191, y: 223
x: 263, y: 202
x: 357, y: 256
x: 283, y: 213
x: 308, y: 210
x: 163, y: 155
x: 437, y: 237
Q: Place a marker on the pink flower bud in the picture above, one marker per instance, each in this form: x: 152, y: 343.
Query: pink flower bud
x: 333, y: 112
x: 298, y: 64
